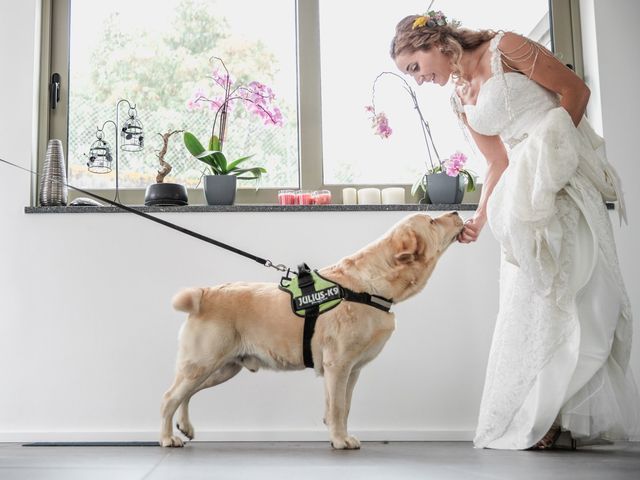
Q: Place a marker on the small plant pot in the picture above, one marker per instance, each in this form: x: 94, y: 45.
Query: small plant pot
x: 443, y: 189
x: 166, y: 194
x: 220, y: 189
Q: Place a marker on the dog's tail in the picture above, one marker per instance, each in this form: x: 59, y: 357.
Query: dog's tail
x: 188, y: 300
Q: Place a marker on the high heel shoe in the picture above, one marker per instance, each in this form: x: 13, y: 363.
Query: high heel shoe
x: 549, y: 439
x: 565, y: 441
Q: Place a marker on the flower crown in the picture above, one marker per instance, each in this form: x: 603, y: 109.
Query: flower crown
x: 432, y: 19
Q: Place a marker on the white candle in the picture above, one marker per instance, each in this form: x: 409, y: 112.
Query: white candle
x: 369, y: 196
x: 349, y: 196
x: 393, y: 196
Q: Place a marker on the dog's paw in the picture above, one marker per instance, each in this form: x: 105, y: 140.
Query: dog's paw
x: 186, y: 429
x: 346, y: 443
x: 171, y: 441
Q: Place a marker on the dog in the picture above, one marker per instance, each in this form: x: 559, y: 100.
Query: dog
x: 252, y: 325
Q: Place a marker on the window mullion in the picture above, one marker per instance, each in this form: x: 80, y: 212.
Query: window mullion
x: 309, y: 94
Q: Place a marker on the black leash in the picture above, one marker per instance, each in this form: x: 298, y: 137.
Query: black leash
x: 262, y: 261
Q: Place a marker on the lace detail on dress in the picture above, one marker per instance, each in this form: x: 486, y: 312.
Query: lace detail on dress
x: 456, y: 104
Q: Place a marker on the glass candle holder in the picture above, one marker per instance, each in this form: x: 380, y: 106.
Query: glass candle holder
x: 286, y: 197
x: 304, y: 197
x: 322, y: 197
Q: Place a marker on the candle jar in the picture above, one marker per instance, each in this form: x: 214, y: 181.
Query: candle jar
x: 322, y: 197
x: 304, y: 197
x: 286, y: 197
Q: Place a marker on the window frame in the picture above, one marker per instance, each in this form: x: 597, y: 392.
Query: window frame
x: 54, y: 57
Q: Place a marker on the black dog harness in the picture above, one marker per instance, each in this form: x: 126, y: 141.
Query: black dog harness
x: 312, y: 294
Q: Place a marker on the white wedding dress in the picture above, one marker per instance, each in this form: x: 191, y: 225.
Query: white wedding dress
x: 562, y: 340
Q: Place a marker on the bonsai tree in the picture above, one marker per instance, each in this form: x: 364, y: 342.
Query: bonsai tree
x: 161, y: 193
x: 165, y: 167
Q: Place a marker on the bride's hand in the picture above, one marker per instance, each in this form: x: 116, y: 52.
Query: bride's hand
x: 472, y: 228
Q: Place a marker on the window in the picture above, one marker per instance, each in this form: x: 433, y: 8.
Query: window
x: 319, y: 56
x: 348, y: 72
x: 157, y: 57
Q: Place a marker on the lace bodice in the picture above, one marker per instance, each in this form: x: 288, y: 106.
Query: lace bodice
x: 508, y: 104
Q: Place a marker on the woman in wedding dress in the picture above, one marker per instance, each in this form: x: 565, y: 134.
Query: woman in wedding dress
x: 559, y: 360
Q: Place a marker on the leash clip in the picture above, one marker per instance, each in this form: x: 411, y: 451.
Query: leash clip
x: 280, y: 267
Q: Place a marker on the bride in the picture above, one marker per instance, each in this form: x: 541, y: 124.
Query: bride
x: 559, y: 360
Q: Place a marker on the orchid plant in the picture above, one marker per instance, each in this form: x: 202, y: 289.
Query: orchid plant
x: 452, y: 166
x: 257, y: 99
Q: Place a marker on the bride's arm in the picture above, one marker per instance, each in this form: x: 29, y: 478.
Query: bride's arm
x: 539, y: 64
x: 495, y: 153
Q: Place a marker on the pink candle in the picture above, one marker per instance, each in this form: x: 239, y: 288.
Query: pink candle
x: 322, y: 197
x: 286, y: 197
x: 304, y: 197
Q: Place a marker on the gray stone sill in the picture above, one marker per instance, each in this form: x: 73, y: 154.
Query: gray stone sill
x: 412, y: 207
x: 259, y: 208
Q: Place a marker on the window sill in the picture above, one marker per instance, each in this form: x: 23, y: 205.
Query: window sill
x: 259, y: 208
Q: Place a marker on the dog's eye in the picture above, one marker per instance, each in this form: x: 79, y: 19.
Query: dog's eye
x: 432, y: 221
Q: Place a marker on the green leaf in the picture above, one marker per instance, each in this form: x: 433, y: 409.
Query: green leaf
x: 256, y: 172
x: 418, y: 185
x: 193, y: 145
x: 235, y: 163
x: 196, y: 149
x: 221, y: 160
x: 207, y: 153
x: 213, y: 164
x: 214, y: 143
x: 471, y: 184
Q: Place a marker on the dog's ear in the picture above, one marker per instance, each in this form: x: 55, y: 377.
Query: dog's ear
x: 405, y: 257
x: 407, y: 245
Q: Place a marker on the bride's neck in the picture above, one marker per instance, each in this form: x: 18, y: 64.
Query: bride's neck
x: 470, y: 61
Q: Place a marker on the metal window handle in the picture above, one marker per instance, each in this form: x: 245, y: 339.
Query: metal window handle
x: 54, y: 90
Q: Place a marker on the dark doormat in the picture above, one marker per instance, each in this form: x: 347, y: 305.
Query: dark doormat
x: 91, y: 444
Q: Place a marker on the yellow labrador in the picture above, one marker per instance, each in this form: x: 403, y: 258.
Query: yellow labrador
x: 252, y: 325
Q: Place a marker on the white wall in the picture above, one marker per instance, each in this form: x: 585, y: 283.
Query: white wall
x: 617, y: 39
x: 86, y: 356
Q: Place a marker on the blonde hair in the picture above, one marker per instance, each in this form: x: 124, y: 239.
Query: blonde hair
x: 451, y: 40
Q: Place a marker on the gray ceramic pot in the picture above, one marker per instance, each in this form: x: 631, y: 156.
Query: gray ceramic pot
x: 443, y: 189
x: 220, y: 189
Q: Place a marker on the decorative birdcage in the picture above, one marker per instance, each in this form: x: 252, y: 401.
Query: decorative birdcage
x: 100, y: 158
x: 132, y: 133
x: 130, y: 138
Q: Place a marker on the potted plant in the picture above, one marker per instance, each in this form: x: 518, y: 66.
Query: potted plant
x: 222, y: 174
x: 444, y: 181
x: 161, y: 193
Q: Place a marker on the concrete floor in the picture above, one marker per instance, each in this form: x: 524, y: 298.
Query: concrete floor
x: 314, y: 460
